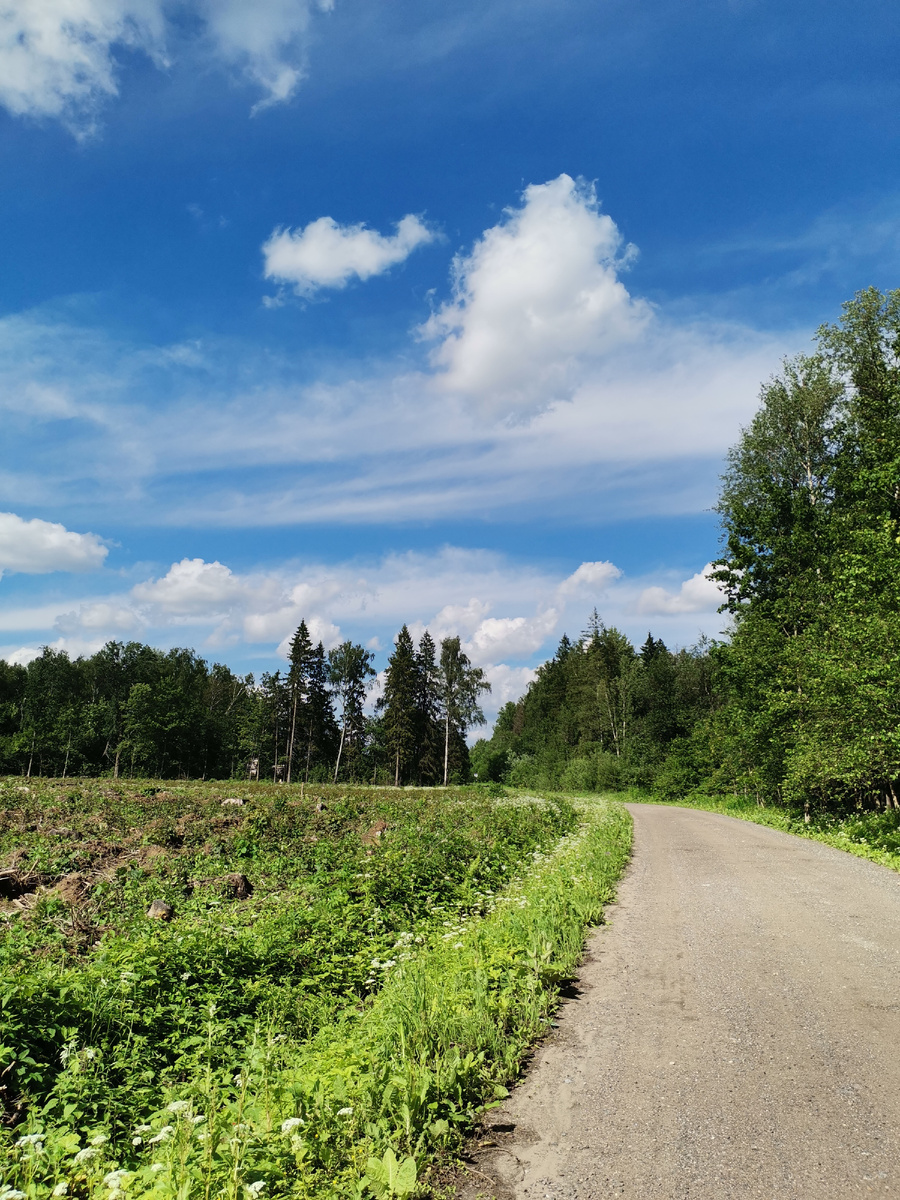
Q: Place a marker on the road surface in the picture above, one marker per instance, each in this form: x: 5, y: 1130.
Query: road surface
x: 737, y: 1031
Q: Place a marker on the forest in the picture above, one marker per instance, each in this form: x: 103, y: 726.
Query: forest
x: 800, y: 704
x: 131, y: 710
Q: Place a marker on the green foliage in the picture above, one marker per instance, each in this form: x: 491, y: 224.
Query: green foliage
x: 599, y: 716
x: 363, y: 1004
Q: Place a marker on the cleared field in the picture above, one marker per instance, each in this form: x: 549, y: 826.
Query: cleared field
x: 335, y: 985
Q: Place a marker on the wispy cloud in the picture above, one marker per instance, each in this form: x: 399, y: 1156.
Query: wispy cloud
x: 58, y: 58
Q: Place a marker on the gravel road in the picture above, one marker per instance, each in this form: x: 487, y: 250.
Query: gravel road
x: 737, y: 1031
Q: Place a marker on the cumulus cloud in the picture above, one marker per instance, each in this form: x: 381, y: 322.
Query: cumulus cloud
x: 58, y: 57
x: 37, y: 547
x: 591, y: 577
x: 326, y: 254
x: 110, y: 619
x: 697, y: 594
x: 537, y: 294
x: 191, y: 587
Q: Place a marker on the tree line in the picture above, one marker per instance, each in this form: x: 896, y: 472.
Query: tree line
x: 800, y: 703
x: 132, y: 710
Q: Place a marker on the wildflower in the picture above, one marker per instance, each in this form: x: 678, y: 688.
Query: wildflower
x: 457, y: 945
x: 137, y: 1141
x: 178, y: 1106
x: 30, y: 1139
x: 163, y: 1136
x: 196, y: 1120
x: 157, y: 1167
x: 86, y: 1154
x: 99, y: 1139
x: 12, y: 1194
x: 290, y: 1124
x: 113, y: 1179
x: 143, y: 1129
x: 61, y: 1189
x: 238, y: 1080
x: 253, y: 1189
x: 345, y: 1112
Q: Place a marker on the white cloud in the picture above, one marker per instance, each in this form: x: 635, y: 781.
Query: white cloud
x: 325, y: 254
x: 537, y: 295
x: 191, y: 587
x: 109, y: 619
x: 58, y: 57
x: 697, y: 594
x: 592, y: 578
x: 37, y: 547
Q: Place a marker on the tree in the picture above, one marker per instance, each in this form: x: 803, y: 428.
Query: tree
x: 429, y: 735
x: 349, y: 666
x: 460, y: 685
x: 301, y: 660
x: 398, y: 703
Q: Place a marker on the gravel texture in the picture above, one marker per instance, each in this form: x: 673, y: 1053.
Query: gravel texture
x: 735, y: 1033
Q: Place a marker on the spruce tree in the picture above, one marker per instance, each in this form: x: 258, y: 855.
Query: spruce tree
x: 398, y: 703
x: 429, y: 737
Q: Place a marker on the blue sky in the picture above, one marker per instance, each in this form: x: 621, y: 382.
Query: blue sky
x: 374, y: 312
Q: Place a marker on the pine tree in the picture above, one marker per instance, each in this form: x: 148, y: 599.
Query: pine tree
x: 398, y: 703
x: 349, y: 666
x: 429, y: 737
x: 300, y: 656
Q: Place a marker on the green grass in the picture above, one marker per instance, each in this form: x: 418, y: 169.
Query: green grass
x: 327, y: 1036
x: 872, y: 835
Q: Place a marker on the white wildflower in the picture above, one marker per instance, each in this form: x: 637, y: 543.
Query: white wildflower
x: 253, y: 1189
x: 86, y: 1154
x: 290, y: 1124
x: 30, y: 1139
x: 99, y: 1139
x: 137, y: 1141
x: 345, y: 1112
x: 196, y: 1120
x: 114, y: 1179
x: 143, y: 1129
x: 238, y: 1080
x: 178, y: 1106
x: 12, y: 1194
x: 163, y: 1136
x: 457, y: 945
x: 61, y: 1189
x: 157, y: 1167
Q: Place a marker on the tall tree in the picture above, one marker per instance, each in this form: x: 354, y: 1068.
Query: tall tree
x: 349, y: 667
x: 301, y: 660
x: 428, y: 753
x: 460, y: 685
x: 398, y: 703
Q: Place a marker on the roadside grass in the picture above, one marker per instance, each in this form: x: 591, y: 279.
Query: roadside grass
x: 327, y: 1037
x: 871, y: 835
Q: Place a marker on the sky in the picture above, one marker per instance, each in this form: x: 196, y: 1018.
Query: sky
x: 446, y: 314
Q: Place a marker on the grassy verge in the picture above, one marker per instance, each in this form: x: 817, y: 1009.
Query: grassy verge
x: 326, y: 1038
x: 872, y: 835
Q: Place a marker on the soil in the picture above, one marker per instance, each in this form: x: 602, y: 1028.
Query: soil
x: 733, y: 1032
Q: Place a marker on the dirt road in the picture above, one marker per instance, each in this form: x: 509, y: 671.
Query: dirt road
x: 737, y: 1032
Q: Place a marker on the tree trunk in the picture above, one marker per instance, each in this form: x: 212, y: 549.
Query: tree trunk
x: 337, y: 765
x: 116, y: 767
x: 446, y: 746
x: 30, y: 757
x: 291, y: 742
x: 66, y: 763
